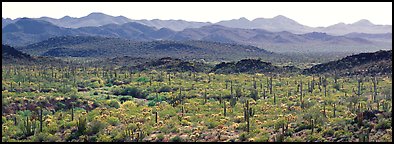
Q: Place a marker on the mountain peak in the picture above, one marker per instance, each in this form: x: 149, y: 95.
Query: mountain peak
x: 363, y: 22
x: 281, y: 17
x: 243, y: 19
x: 96, y: 14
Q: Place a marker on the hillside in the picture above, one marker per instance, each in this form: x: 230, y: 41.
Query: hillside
x: 11, y: 56
x: 377, y: 63
x: 172, y: 65
x: 251, y: 66
x: 9, y: 52
x: 99, y: 47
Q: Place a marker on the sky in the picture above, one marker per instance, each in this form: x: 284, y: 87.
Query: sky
x: 307, y: 13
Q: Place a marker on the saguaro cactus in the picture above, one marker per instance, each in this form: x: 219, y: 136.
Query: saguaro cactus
x: 312, y: 125
x: 254, y: 83
x: 28, y: 127
x: 156, y: 116
x: 41, y: 119
x: 274, y: 99
x: 271, y: 85
x: 301, y: 90
x: 375, y: 92
x: 72, y: 111
x: 247, y: 113
x: 224, y: 108
x: 205, y: 96
x: 334, y: 110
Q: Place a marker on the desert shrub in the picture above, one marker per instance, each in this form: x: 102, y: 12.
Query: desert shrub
x: 95, y: 84
x: 314, y: 137
x: 212, y: 124
x: 143, y: 80
x: 133, y: 91
x: 113, y: 121
x: 263, y: 138
x: 165, y: 89
x: 160, y: 137
x: 254, y: 94
x: 104, y: 138
x: 176, y: 139
x: 113, y: 103
x: 151, y: 103
x: 328, y: 132
x: 383, y: 124
x: 95, y: 126
x: 243, y: 136
x: 302, y: 127
x: 125, y: 98
x: 45, y: 137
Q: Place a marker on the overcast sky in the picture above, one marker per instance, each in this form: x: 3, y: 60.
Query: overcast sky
x: 307, y: 13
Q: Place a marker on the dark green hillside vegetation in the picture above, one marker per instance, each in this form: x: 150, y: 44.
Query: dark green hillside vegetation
x: 252, y: 66
x: 377, y: 63
x: 99, y: 47
x: 172, y: 65
x: 11, y: 56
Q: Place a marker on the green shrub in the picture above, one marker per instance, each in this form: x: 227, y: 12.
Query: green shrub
x: 165, y: 89
x: 176, y: 139
x: 113, y: 103
x: 151, y: 103
x: 328, y: 132
x: 95, y: 126
x: 383, y: 124
x: 243, y: 136
x: 113, y: 121
x: 160, y: 137
x: 302, y: 127
x: 212, y: 124
x: 143, y: 80
x: 133, y: 91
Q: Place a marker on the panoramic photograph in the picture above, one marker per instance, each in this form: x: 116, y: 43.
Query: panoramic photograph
x: 196, y: 72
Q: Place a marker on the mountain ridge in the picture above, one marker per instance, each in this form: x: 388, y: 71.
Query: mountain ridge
x: 276, y: 24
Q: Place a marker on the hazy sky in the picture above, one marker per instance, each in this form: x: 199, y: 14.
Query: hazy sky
x: 307, y: 13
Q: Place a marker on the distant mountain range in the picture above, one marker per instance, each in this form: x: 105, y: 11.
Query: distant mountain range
x: 27, y: 31
x: 275, y: 24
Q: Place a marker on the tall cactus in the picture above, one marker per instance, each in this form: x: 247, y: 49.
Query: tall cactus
x: 231, y: 88
x: 359, y: 87
x: 224, y: 108
x: 156, y: 116
x: 254, y: 83
x: 169, y: 78
x: 375, y: 92
x: 274, y: 99
x: 324, y: 109
x: 334, y: 110
x: 271, y: 85
x: 41, y: 119
x: 28, y: 127
x: 72, y: 111
x: 15, y: 122
x: 205, y: 96
x: 81, y: 126
x: 247, y: 115
x: 301, y: 90
x: 312, y: 125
